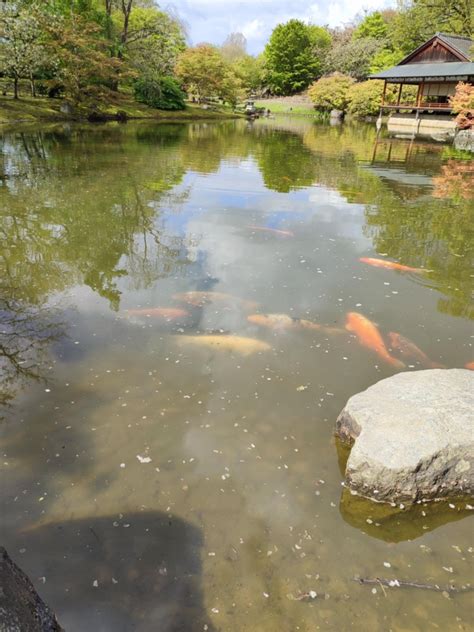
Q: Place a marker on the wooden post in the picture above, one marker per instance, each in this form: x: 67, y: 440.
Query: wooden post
x: 399, y: 93
x: 419, y: 96
x: 383, y: 93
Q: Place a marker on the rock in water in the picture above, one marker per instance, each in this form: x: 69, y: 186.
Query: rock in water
x: 21, y: 608
x: 413, y: 436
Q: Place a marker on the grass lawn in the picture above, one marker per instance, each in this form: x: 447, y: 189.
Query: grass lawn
x: 295, y: 104
x: 284, y: 108
x: 27, y: 109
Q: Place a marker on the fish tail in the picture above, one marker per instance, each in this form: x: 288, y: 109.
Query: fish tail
x: 397, y: 364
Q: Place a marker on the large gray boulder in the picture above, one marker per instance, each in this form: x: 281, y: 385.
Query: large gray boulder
x: 21, y: 608
x: 413, y: 436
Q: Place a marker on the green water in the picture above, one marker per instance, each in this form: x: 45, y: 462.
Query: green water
x: 235, y: 506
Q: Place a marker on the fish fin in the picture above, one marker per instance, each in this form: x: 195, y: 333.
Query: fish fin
x: 398, y: 364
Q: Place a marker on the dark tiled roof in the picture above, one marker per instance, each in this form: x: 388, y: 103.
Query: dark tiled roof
x: 423, y: 71
x: 458, y: 42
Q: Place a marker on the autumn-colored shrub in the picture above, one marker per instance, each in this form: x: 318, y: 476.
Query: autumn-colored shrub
x: 463, y: 105
x: 330, y: 93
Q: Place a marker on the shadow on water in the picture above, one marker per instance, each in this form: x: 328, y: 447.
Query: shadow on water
x: 137, y: 571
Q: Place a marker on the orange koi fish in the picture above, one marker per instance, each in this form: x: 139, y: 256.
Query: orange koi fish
x: 199, y: 299
x: 369, y: 336
x: 168, y: 313
x: 275, y: 231
x: 469, y: 365
x: 409, y: 348
x: 390, y: 265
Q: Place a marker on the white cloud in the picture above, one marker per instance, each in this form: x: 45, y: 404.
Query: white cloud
x: 253, y: 29
x: 213, y: 20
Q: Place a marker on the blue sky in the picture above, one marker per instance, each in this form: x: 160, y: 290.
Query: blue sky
x: 212, y: 20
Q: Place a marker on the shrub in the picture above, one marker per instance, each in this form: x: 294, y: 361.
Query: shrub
x: 329, y: 93
x: 163, y: 93
x: 365, y: 98
x: 463, y: 105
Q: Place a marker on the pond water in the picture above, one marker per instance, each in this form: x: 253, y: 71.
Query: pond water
x: 168, y: 459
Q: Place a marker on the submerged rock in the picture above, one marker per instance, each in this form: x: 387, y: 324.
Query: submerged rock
x: 413, y: 436
x: 21, y: 608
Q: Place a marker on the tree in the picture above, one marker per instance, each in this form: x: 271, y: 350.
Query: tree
x: 81, y: 58
x: 373, y: 25
x: 126, y: 8
x: 353, y: 56
x: 385, y: 58
x: 154, y: 41
x: 290, y: 62
x: 202, y: 70
x: 250, y: 71
x: 22, y: 53
x: 331, y: 92
x: 231, y: 88
x: 418, y: 20
x: 463, y: 105
x: 234, y: 47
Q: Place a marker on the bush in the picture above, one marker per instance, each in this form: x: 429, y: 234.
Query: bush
x: 365, y: 98
x: 330, y: 92
x: 463, y: 105
x: 163, y: 93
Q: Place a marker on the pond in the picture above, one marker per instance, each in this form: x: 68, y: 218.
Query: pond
x: 168, y: 453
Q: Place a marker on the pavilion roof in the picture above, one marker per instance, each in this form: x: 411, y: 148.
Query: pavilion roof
x: 437, y: 71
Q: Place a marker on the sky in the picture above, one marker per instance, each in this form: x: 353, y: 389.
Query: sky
x: 212, y: 20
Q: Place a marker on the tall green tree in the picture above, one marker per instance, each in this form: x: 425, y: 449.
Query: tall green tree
x: 418, y: 20
x: 155, y: 40
x: 373, y: 25
x: 291, y: 63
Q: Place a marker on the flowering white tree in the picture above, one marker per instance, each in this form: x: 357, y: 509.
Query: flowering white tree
x: 21, y: 51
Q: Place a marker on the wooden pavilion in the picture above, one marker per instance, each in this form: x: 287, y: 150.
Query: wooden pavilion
x: 435, y: 67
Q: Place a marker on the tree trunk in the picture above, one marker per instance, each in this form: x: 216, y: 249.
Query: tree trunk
x: 126, y: 10
x: 32, y: 85
x: 108, y: 18
x: 15, y: 87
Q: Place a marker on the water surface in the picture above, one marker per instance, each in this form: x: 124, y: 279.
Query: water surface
x: 234, y: 507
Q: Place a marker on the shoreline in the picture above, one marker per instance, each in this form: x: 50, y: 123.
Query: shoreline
x: 44, y: 110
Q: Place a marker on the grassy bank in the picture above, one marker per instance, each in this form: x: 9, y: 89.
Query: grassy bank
x: 28, y: 110
x: 296, y: 104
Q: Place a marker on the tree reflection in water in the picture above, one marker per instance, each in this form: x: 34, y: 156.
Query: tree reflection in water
x: 26, y: 332
x: 86, y: 206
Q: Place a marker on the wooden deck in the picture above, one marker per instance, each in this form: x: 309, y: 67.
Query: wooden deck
x: 421, y: 107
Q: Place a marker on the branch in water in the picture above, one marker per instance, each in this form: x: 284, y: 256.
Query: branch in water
x: 399, y: 583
